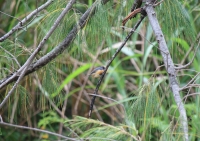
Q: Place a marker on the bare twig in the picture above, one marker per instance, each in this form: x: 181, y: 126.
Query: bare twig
x: 37, y: 130
x: 97, y: 113
x: 11, y: 55
x: 46, y: 94
x: 191, y: 48
x: 131, y: 15
x: 185, y: 87
x: 186, y: 96
x: 23, y: 69
x: 10, y: 16
x: 188, y: 64
x: 145, y: 39
x: 22, y: 22
x: 107, y: 98
x: 156, y: 4
x: 14, y: 108
x: 169, y: 65
x: 110, y: 61
x: 10, y: 92
x: 192, y: 86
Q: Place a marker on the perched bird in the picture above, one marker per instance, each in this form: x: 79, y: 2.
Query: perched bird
x: 97, y: 72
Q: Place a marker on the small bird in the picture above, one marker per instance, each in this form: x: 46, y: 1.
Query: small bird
x: 97, y: 72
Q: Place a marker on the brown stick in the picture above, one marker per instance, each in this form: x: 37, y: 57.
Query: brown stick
x: 130, y: 15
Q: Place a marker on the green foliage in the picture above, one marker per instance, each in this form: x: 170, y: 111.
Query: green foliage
x: 71, y: 77
x: 48, y: 118
x: 176, y: 20
x: 97, y: 130
x: 48, y: 20
x: 140, y: 101
x: 100, y: 24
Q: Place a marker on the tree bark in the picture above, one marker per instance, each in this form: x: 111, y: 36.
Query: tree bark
x: 169, y: 65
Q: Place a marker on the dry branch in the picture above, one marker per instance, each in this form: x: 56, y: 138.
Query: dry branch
x: 169, y: 65
x: 21, y: 72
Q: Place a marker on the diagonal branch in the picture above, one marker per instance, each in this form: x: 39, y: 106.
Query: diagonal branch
x: 56, y: 51
x: 11, y: 55
x: 169, y: 65
x: 190, y: 82
x: 110, y: 61
x: 23, y: 69
x: 23, y: 22
x: 131, y: 15
x: 188, y: 64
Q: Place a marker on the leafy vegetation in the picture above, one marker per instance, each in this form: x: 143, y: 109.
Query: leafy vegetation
x: 135, y: 100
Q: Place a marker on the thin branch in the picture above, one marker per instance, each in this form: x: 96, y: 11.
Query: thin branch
x: 107, y: 98
x: 156, y: 4
x: 14, y: 108
x: 191, y: 81
x: 191, y: 48
x: 10, y: 16
x: 188, y: 64
x: 110, y: 61
x: 131, y: 15
x: 195, y: 71
x: 22, y: 22
x: 11, y: 55
x: 192, y: 86
x: 46, y: 94
x: 23, y: 69
x: 37, y: 130
x: 56, y: 50
x: 145, y: 39
x: 129, y: 29
x: 186, y: 96
x: 169, y: 65
x: 95, y: 108
x: 10, y: 92
x: 55, y: 25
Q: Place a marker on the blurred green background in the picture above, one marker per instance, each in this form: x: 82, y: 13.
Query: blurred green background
x: 139, y: 100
